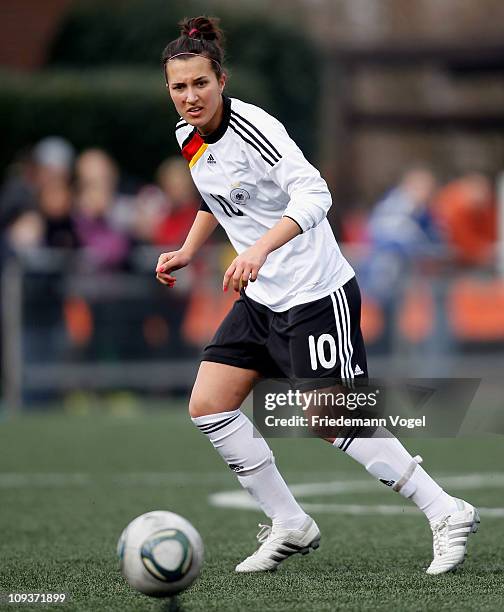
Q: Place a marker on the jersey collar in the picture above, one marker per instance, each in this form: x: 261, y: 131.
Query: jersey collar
x: 223, y: 126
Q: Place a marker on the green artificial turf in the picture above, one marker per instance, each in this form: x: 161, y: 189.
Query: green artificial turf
x: 70, y: 484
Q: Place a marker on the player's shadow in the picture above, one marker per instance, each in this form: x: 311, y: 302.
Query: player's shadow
x: 172, y: 605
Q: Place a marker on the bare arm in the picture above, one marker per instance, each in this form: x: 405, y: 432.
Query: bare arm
x: 286, y: 229
x: 246, y: 266
x: 203, y: 226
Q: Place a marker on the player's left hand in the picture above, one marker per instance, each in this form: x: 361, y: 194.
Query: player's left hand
x: 244, y: 268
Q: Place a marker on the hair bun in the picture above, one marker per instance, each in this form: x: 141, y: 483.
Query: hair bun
x: 198, y: 36
x: 202, y: 28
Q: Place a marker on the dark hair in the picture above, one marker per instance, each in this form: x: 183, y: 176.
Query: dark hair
x: 201, y: 35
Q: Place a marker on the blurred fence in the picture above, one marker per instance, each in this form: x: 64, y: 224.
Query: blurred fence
x: 67, y: 327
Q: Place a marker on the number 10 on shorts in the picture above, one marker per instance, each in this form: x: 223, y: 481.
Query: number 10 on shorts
x: 318, y: 351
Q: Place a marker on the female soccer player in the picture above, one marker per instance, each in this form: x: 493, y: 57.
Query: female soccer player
x: 296, y: 287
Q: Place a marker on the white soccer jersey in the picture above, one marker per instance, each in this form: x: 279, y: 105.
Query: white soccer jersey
x: 250, y: 174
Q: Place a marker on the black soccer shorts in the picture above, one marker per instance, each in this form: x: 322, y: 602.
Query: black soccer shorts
x: 317, y: 340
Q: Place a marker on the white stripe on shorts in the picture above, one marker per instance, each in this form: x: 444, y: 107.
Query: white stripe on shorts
x: 349, y: 329
x: 340, y: 337
x: 344, y: 326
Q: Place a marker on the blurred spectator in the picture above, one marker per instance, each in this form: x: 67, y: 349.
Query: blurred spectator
x: 151, y: 208
x: 54, y: 162
x: 35, y: 212
x: 54, y: 158
x: 400, y: 227
x: 175, y: 181
x: 50, y: 160
x: 56, y: 203
x: 402, y: 219
x: 467, y: 213
x: 105, y: 243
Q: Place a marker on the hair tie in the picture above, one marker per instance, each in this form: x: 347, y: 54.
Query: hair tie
x: 193, y: 31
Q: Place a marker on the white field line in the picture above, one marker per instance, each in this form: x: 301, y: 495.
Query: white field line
x: 463, y: 481
x: 240, y: 499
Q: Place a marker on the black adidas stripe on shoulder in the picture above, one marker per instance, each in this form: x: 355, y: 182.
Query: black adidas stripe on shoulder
x: 254, y: 138
x: 181, y: 124
x: 258, y: 133
x: 261, y: 152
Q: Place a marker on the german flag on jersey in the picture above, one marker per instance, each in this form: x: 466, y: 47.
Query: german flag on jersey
x: 193, y: 147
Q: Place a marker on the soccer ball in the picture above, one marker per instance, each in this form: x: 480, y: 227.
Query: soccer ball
x: 160, y: 553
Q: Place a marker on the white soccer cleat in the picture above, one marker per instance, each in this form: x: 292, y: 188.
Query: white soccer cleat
x: 277, y: 544
x: 450, y: 538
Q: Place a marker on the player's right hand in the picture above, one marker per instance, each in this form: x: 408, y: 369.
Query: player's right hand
x: 168, y: 263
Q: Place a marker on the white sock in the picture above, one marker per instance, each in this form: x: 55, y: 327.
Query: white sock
x: 386, y: 458
x: 248, y: 454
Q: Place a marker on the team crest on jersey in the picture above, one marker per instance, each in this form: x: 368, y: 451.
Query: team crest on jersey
x: 239, y: 195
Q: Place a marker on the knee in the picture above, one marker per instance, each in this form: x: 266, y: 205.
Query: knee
x: 197, y: 407
x: 201, y: 405
x: 204, y: 402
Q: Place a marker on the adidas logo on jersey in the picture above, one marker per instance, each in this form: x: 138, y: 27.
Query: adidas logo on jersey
x: 211, y: 159
x: 358, y: 370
